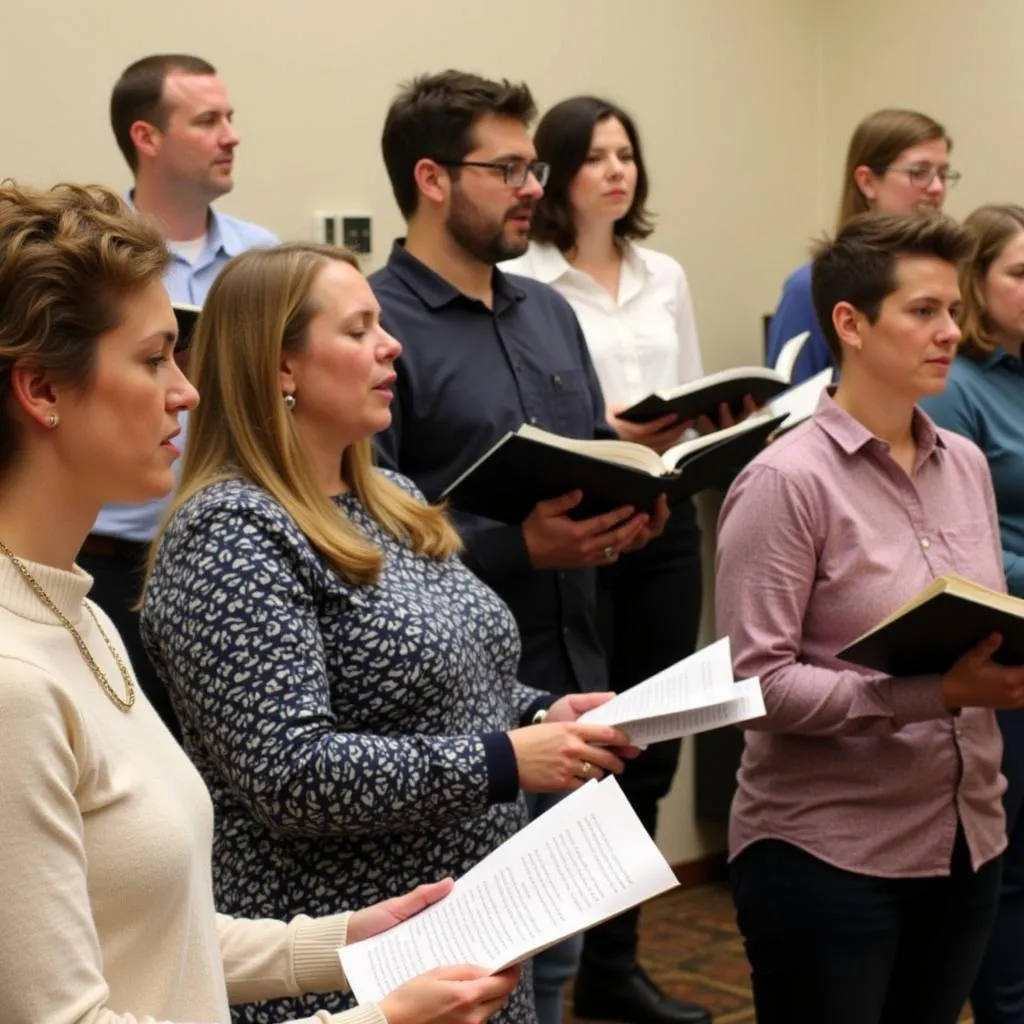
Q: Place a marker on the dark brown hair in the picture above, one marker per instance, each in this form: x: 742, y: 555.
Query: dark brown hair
x: 858, y: 266
x: 991, y: 227
x: 876, y: 142
x: 139, y: 96
x: 563, y: 141
x: 433, y: 117
x: 69, y: 258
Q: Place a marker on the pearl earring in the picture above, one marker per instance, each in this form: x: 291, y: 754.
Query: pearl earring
x: 289, y: 402
x: 53, y: 419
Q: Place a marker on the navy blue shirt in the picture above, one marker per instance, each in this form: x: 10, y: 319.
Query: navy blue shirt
x: 794, y: 314
x: 468, y: 375
x: 984, y: 401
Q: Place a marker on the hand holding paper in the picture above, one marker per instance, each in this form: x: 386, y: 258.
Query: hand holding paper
x: 587, y: 860
x: 694, y: 695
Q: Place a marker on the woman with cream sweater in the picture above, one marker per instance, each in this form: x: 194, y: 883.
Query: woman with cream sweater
x: 108, y: 912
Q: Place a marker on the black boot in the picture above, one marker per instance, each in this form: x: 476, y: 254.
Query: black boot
x: 631, y: 998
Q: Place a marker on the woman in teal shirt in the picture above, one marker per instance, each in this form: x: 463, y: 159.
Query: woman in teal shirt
x: 984, y: 400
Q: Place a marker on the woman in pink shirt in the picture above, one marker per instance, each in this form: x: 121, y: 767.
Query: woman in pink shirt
x: 867, y: 828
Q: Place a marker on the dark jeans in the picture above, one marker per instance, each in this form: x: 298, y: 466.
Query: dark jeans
x: 828, y: 946
x: 649, y: 607
x: 117, y: 588
x: 998, y: 993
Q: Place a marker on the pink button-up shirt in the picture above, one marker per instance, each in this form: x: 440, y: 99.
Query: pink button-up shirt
x: 820, y: 538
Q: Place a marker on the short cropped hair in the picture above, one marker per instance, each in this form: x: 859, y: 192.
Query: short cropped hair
x: 563, y: 141
x: 139, y: 96
x: 433, y: 117
x: 70, y: 258
x: 858, y: 266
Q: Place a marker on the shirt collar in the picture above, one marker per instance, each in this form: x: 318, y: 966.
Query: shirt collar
x: 435, y: 291
x: 999, y: 356
x: 851, y: 435
x: 547, y: 262
x: 548, y: 265
x: 220, y: 233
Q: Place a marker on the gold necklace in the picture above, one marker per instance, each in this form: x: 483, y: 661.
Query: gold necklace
x: 124, y: 704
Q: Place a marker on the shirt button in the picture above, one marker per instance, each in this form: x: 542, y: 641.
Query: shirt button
x: 925, y: 543
x: 561, y: 575
x: 533, y: 419
x: 565, y: 630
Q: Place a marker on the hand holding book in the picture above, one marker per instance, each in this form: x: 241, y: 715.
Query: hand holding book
x: 976, y: 681
x: 554, y: 540
x: 970, y: 635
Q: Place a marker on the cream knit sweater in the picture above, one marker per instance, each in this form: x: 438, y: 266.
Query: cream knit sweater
x: 106, y: 906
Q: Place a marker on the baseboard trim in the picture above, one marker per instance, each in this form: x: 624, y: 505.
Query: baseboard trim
x: 703, y: 871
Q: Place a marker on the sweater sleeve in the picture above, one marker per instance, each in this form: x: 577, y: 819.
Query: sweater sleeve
x: 266, y: 959
x: 51, y: 968
x: 245, y: 660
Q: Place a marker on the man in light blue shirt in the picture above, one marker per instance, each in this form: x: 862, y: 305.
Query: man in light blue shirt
x: 173, y: 123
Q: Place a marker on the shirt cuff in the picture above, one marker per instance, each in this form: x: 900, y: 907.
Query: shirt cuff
x: 917, y: 699
x: 365, y: 1013
x: 317, y: 964
x: 542, y: 703
x: 502, y: 771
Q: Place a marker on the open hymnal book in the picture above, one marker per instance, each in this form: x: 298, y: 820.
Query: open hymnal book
x: 799, y: 402
x: 930, y: 632
x: 703, y: 397
x: 694, y: 695
x: 532, y: 465
x: 587, y: 859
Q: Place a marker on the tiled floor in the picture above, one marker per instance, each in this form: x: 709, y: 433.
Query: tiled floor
x: 691, y: 947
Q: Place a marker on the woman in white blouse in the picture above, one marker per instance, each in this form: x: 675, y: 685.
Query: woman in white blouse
x: 637, y: 316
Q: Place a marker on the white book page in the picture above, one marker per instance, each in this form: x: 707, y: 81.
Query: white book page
x: 625, y: 453
x: 672, y: 457
x: 745, y: 703
x: 800, y: 402
x: 701, y: 679
x: 584, y: 861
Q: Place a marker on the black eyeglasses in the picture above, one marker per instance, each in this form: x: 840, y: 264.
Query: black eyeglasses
x: 924, y: 174
x: 515, y: 173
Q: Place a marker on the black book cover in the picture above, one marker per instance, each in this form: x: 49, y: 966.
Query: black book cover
x: 930, y: 638
x: 706, y: 401
x: 521, y: 471
x: 186, y: 316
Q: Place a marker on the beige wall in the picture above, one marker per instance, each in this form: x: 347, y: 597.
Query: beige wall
x: 956, y: 60
x: 725, y: 92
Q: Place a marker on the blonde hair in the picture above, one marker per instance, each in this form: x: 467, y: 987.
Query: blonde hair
x: 991, y: 227
x: 260, y: 306
x: 70, y: 258
x: 876, y: 142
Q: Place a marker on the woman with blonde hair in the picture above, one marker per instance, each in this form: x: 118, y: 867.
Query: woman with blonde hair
x: 345, y: 685
x: 897, y: 162
x: 983, y: 401
x: 107, y: 913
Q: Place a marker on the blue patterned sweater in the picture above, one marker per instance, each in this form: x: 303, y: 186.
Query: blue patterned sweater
x: 352, y: 737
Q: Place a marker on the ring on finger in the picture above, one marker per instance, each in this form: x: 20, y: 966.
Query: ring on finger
x: 585, y: 769
x: 610, y: 554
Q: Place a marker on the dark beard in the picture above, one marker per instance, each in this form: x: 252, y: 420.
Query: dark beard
x: 483, y: 241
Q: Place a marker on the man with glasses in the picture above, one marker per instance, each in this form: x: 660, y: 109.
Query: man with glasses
x: 483, y: 353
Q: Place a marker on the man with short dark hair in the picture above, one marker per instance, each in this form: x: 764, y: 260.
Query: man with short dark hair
x: 484, y: 352
x: 172, y: 121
